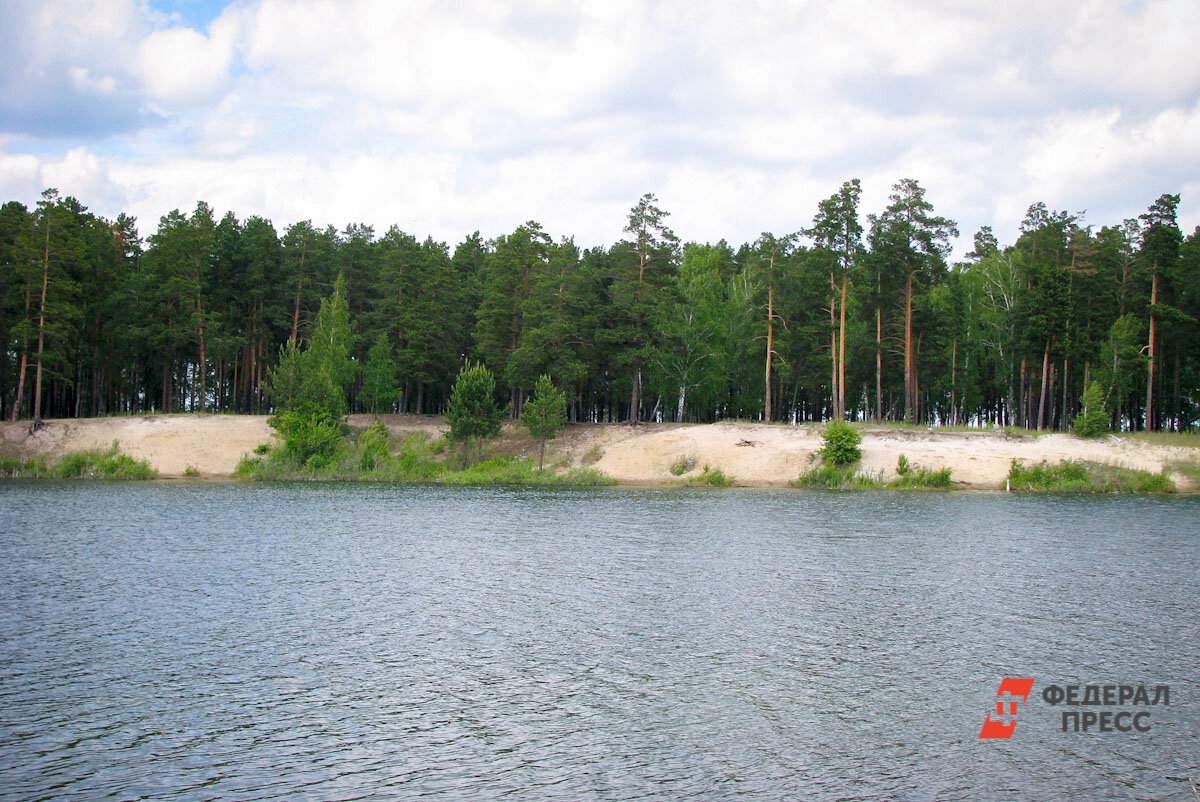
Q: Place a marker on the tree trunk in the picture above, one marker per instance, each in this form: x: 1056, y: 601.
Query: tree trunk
x: 37, y: 384
x: 878, y: 363
x: 683, y: 395
x: 770, y: 346
x: 1178, y: 425
x: 953, y: 380
x: 16, y: 410
x: 635, y: 399
x: 541, y: 452
x: 833, y: 351
x: 841, y: 410
x: 908, y: 350
x: 203, y: 357
x: 1150, y: 363
x: 1042, y: 402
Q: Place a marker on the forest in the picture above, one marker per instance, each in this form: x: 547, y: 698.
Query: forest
x: 852, y: 316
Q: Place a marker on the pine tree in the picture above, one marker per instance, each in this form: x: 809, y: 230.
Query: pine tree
x: 545, y: 414
x: 473, y: 414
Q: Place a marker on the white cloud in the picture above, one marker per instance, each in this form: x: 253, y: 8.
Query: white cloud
x: 444, y: 118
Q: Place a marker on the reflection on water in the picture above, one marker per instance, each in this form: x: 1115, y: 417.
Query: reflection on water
x: 210, y: 641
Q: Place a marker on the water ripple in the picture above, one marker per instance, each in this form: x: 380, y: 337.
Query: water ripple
x: 209, y: 641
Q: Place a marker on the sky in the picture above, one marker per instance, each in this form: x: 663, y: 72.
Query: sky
x: 447, y: 118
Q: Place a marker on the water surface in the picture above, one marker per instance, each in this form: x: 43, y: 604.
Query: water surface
x: 327, y: 641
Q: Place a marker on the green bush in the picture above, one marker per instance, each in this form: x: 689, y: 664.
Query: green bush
x: 310, y: 437
x: 1093, y: 421
x: 841, y: 443
x: 902, y: 466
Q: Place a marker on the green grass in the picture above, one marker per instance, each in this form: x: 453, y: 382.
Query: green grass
x: 832, y: 477
x: 711, y: 477
x: 95, y: 463
x: 922, y: 478
x: 1186, y: 439
x: 416, y: 457
x: 1085, y: 477
x: 30, y: 468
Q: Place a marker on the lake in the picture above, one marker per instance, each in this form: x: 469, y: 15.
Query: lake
x: 351, y: 641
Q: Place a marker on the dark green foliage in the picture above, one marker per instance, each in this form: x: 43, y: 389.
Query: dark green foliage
x: 841, y: 443
x: 197, y: 313
x: 1093, y: 421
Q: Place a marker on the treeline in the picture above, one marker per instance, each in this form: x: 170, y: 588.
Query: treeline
x: 849, y: 318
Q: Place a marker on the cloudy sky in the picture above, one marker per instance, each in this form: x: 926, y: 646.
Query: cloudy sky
x: 444, y: 118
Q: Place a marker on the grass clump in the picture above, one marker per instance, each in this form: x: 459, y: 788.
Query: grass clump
x: 1085, y: 477
x: 191, y: 471
x: 833, y: 477
x: 918, y: 477
x: 29, y: 468
x: 683, y: 465
x: 712, y: 477
x: 96, y: 463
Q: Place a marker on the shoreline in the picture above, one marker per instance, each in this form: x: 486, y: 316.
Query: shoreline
x: 755, y: 455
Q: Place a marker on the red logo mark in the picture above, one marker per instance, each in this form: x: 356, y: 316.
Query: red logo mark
x: 1005, y: 718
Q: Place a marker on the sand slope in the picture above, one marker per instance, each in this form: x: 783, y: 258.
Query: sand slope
x: 760, y: 455
x: 212, y: 444
x: 754, y: 454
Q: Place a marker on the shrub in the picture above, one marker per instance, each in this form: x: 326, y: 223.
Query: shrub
x: 374, y: 446
x: 191, y: 471
x: 310, y: 437
x: 682, y: 465
x: 841, y: 443
x: 902, y: 466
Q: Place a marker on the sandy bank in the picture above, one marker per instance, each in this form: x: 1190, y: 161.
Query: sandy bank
x: 211, y: 444
x: 754, y: 454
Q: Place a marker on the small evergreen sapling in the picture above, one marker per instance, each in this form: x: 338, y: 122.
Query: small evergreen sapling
x: 545, y: 414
